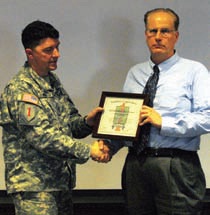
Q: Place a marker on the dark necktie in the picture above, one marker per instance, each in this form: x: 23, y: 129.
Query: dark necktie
x: 150, y: 90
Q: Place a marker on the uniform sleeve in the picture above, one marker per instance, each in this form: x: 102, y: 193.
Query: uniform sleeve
x: 26, y: 116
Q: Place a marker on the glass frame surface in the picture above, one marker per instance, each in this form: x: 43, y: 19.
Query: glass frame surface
x: 120, y: 118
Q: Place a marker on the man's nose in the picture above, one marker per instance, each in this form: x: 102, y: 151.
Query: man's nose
x: 56, y: 53
x: 158, y: 34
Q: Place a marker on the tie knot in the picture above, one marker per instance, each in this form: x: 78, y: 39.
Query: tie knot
x: 156, y: 69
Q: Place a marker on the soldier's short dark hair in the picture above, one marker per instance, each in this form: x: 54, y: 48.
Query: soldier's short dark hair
x: 36, y: 31
x: 167, y: 10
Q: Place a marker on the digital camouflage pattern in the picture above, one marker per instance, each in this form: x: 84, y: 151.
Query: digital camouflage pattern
x: 43, y: 203
x: 40, y: 124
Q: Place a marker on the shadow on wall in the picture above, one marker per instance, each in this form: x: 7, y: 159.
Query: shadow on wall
x: 10, y: 56
x: 115, y: 45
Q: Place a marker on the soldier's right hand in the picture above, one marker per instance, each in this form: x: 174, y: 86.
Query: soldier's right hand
x: 100, y: 152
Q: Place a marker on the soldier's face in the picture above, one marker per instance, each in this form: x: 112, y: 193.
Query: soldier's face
x: 43, y: 58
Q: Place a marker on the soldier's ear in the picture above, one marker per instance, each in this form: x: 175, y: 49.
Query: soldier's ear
x: 29, y: 53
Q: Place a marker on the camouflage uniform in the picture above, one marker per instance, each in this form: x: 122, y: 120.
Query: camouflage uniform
x: 39, y: 124
x: 43, y: 203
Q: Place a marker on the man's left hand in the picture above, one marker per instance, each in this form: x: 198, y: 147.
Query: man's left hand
x: 150, y: 115
x: 91, y: 117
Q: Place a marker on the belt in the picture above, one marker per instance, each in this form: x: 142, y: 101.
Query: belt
x: 164, y: 152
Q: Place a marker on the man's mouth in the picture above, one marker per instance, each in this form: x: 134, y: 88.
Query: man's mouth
x: 158, y: 46
x: 53, y: 62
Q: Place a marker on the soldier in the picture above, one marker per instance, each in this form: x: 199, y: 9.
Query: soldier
x: 40, y: 124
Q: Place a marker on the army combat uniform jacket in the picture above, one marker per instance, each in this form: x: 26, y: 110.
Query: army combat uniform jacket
x: 40, y: 124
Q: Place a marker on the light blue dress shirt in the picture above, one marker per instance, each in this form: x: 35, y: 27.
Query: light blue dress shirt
x: 182, y: 99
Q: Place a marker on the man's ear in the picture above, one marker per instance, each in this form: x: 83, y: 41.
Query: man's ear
x: 29, y: 53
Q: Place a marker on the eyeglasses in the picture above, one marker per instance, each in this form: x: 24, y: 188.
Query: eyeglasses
x: 165, y: 32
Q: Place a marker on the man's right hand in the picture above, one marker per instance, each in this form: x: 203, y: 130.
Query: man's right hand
x: 100, y: 152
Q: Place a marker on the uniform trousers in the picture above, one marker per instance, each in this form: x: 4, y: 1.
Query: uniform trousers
x: 43, y: 203
x: 163, y: 185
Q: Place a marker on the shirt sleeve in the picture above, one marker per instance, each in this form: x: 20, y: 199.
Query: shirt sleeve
x: 196, y: 120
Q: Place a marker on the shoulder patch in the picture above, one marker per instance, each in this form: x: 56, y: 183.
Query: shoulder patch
x: 27, y: 97
x: 29, y: 112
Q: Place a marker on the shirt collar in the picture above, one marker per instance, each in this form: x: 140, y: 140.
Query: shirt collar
x: 167, y: 63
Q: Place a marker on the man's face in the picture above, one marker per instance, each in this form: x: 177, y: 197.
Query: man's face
x: 161, y: 35
x: 43, y: 58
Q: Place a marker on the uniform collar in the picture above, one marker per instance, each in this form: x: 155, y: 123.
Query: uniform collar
x: 44, y: 87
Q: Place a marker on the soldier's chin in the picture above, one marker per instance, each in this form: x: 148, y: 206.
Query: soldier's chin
x: 52, y: 68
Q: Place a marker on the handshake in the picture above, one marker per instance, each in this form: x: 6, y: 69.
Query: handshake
x: 100, y: 152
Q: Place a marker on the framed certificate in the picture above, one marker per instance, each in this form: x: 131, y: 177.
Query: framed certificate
x: 120, y: 117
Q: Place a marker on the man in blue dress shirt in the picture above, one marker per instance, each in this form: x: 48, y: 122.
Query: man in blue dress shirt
x: 166, y: 177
